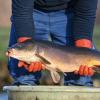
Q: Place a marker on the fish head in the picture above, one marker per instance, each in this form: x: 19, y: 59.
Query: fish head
x: 24, y: 51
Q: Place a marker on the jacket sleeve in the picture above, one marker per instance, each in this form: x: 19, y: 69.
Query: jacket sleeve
x: 84, y: 19
x: 22, y: 11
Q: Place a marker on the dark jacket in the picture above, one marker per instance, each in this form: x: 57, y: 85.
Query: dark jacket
x: 82, y: 23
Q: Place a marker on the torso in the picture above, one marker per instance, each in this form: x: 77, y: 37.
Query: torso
x: 52, y: 4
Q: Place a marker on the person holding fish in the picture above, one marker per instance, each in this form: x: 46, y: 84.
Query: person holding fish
x: 64, y: 22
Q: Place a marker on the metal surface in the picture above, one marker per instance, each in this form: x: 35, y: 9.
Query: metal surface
x: 52, y: 93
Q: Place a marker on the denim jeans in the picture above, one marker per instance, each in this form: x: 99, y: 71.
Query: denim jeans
x: 56, y: 27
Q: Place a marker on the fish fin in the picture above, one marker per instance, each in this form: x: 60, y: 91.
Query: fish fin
x: 43, y: 59
x: 96, y: 69
x: 55, y: 73
x: 65, y: 74
x: 55, y: 76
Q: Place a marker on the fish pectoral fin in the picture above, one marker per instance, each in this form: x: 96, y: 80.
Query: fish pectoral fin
x: 55, y: 76
x: 44, y: 60
x: 61, y: 71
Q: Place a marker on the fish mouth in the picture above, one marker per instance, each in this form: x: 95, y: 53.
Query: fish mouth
x: 10, y: 53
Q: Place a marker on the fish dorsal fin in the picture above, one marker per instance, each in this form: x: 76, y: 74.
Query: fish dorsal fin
x: 55, y: 76
x: 44, y: 60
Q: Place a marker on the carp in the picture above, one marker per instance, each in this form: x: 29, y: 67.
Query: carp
x: 56, y: 58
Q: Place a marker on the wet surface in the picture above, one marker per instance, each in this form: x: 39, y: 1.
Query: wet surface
x: 3, y: 96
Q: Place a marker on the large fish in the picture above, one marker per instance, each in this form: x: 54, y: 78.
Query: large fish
x: 56, y: 58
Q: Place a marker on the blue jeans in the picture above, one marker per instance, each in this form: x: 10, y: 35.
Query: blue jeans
x: 54, y: 26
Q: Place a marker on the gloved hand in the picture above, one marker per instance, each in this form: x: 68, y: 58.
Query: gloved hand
x: 34, y: 66
x: 83, y: 43
x: 84, y: 70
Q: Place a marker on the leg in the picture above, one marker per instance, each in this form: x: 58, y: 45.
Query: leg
x: 12, y: 63
x: 41, y: 22
x: 21, y: 75
x: 61, y: 34
x: 60, y: 27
